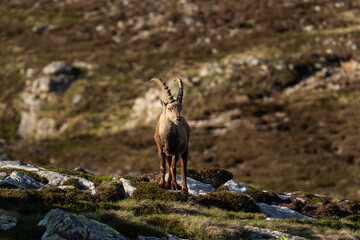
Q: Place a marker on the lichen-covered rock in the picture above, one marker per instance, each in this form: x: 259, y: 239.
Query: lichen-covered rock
x: 19, y: 165
x: 20, y: 180
x: 195, y: 187
x: 57, y: 179
x: 168, y: 237
x: 72, y: 226
x: 273, y: 211
x: 236, y: 187
x: 129, y: 189
x: 7, y: 222
x: 274, y: 234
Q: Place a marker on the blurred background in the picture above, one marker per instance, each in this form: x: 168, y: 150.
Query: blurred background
x: 272, y: 88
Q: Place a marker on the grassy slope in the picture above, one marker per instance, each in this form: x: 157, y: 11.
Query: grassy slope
x: 298, y: 156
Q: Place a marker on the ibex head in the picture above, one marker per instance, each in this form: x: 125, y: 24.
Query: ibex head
x: 172, y: 107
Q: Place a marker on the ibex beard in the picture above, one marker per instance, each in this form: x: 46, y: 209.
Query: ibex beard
x: 172, y: 137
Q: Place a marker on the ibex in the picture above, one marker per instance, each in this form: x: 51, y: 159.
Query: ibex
x: 172, y: 137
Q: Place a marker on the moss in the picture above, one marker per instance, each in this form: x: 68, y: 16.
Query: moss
x: 229, y: 201
x: 151, y: 191
x: 261, y: 196
x: 128, y: 227
x: 110, y: 192
x: 353, y: 218
x: 72, y: 182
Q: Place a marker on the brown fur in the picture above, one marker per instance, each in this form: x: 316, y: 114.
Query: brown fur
x: 172, y: 137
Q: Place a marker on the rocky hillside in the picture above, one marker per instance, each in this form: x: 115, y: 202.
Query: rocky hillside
x: 44, y: 203
x: 271, y: 87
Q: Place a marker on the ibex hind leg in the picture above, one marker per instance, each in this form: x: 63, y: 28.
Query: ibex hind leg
x: 168, y: 182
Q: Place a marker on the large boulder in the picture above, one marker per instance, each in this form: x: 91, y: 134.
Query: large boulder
x: 19, y: 165
x: 63, y: 225
x: 195, y: 187
x: 20, y: 180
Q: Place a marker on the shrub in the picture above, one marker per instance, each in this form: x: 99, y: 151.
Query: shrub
x: 110, y: 191
x: 213, y: 176
x: 151, y: 191
x: 72, y: 182
x: 229, y: 201
x: 261, y: 196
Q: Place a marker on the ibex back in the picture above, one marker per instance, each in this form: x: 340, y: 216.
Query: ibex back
x: 172, y: 137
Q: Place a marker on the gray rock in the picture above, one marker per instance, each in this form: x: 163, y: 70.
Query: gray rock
x: 195, y: 187
x: 54, y: 178
x: 20, y: 180
x: 59, y: 222
x: 53, y: 237
x: 279, y: 212
x: 272, y: 233
x: 19, y: 165
x: 40, y: 29
x: 129, y: 189
x: 58, y: 67
x: 236, y: 187
x: 31, y: 101
x: 41, y: 85
x: 7, y: 222
x: 2, y: 175
x: 77, y: 99
x: 27, y: 124
x: 168, y: 237
x: 57, y: 179
x: 85, y: 65
x: 45, y: 128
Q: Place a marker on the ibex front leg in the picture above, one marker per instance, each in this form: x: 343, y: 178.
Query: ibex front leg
x: 174, y: 185
x: 162, y: 168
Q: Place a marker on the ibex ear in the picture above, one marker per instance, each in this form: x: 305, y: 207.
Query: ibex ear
x: 163, y: 103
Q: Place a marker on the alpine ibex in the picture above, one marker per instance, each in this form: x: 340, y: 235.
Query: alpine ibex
x: 172, y: 137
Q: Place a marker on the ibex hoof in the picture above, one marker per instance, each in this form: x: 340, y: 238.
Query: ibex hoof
x: 167, y: 186
x: 161, y: 185
x: 184, y: 189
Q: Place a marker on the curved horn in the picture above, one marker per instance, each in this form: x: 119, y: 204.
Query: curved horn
x: 179, y: 97
x: 165, y: 89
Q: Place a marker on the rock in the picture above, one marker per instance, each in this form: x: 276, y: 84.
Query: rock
x: 2, y: 175
x: 27, y: 124
x: 77, y: 99
x: 195, y: 187
x: 272, y: 233
x: 45, y: 128
x: 80, y: 169
x: 61, y: 223
x: 236, y: 187
x: 41, y: 85
x: 129, y: 189
x: 279, y: 212
x: 147, y: 108
x: 31, y: 101
x: 30, y: 72
x: 168, y: 237
x: 7, y: 222
x: 57, y: 179
x: 19, y: 165
x: 20, y: 180
x: 58, y: 67
x: 40, y: 29
x: 85, y: 65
